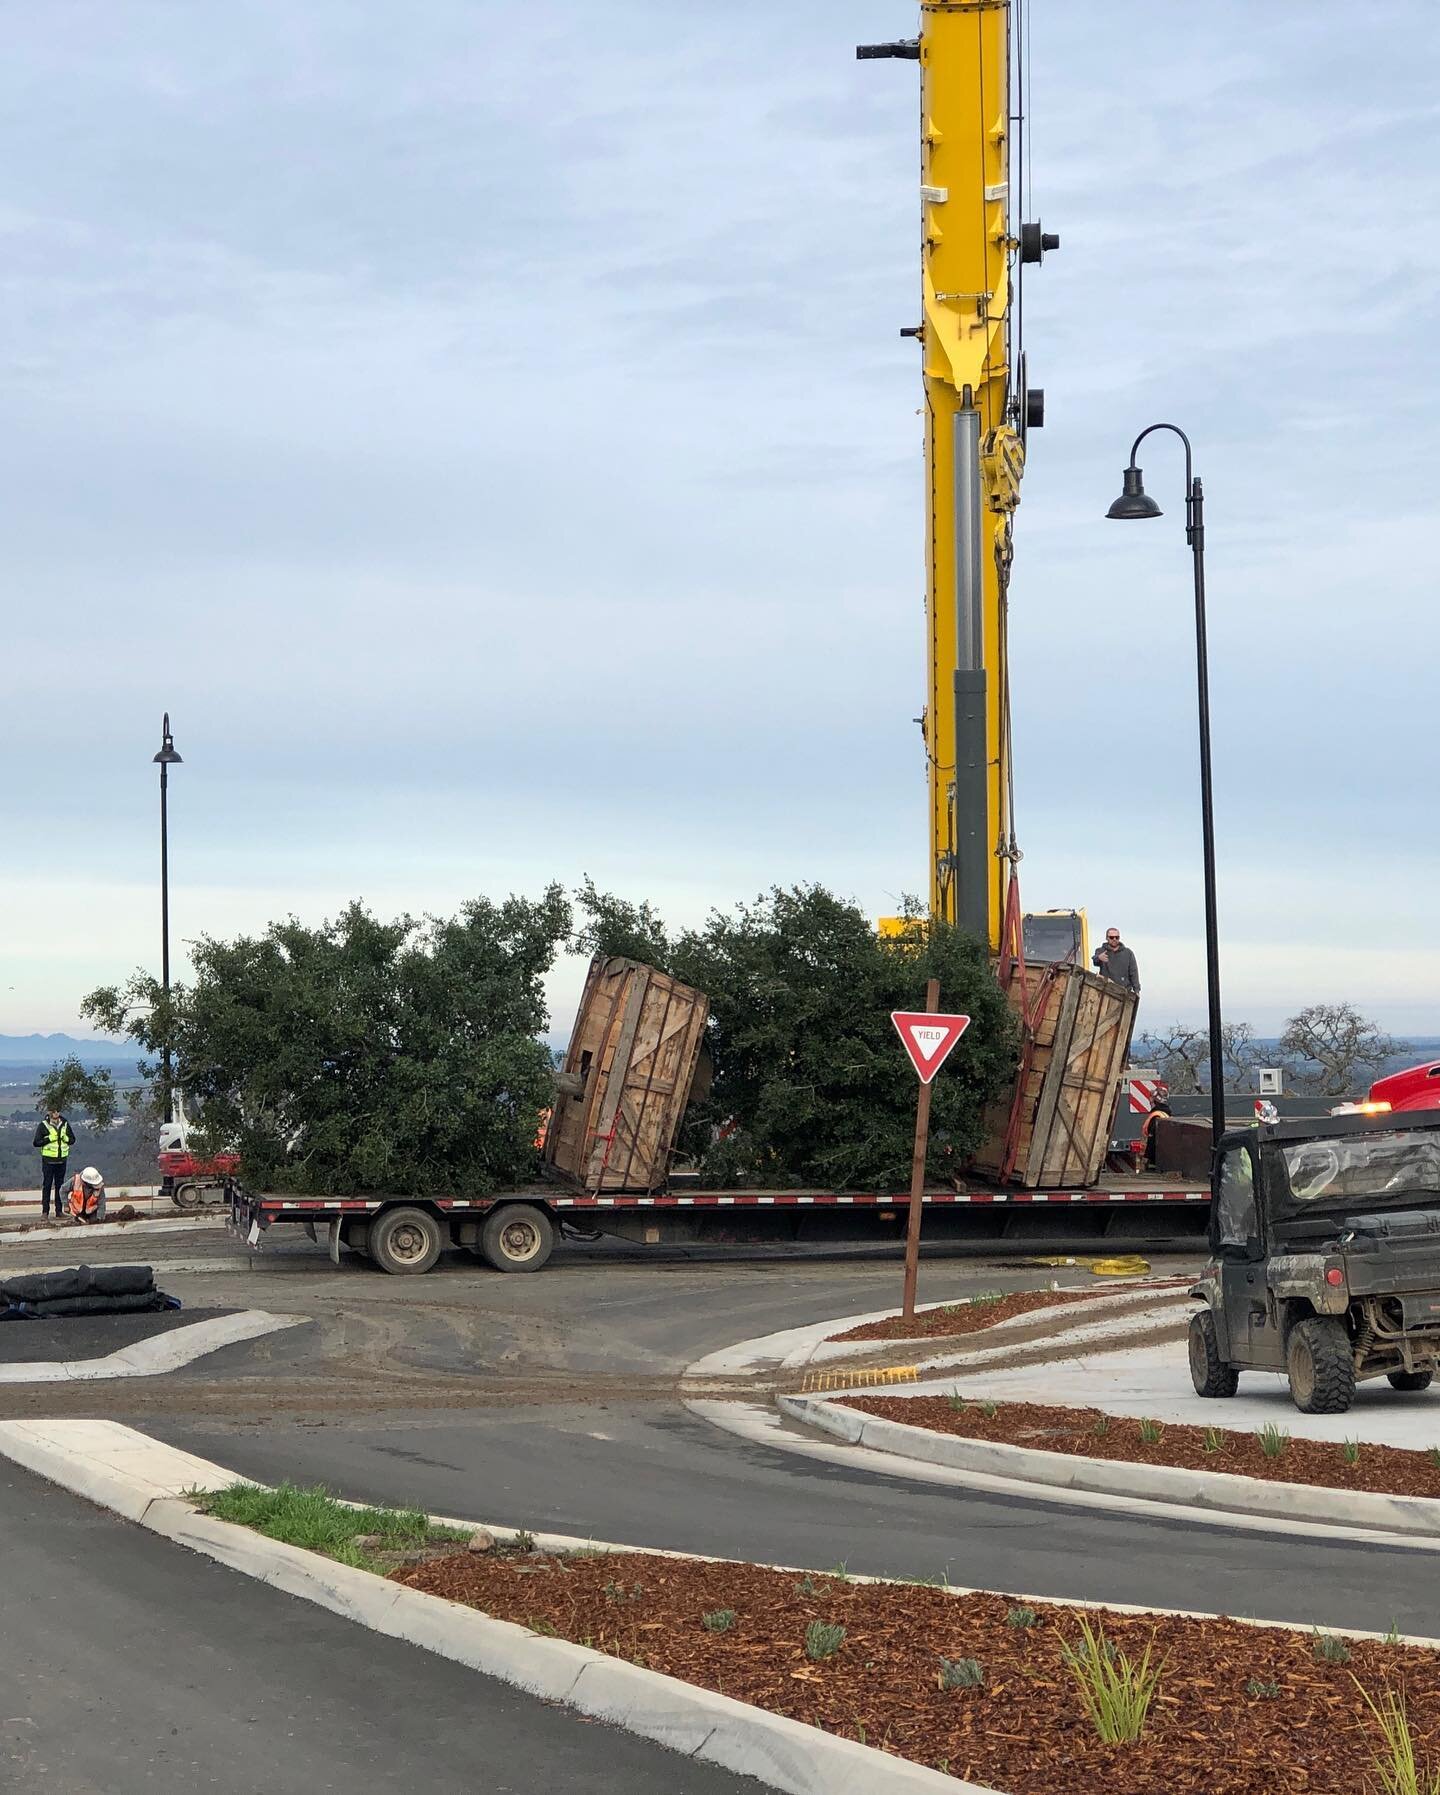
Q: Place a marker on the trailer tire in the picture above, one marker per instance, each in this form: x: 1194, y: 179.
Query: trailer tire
x: 1209, y: 1373
x: 1321, y: 1365
x: 1409, y: 1380
x: 405, y: 1242
x: 517, y: 1237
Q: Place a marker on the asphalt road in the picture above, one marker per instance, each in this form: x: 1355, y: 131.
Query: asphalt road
x: 552, y: 1402
x: 130, y: 1666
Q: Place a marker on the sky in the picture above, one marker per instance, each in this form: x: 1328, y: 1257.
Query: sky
x: 485, y: 429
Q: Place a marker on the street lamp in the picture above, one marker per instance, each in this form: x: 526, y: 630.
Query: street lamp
x: 1135, y: 502
x: 165, y: 759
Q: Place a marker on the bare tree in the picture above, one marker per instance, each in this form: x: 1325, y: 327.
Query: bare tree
x: 1331, y: 1049
x: 1239, y: 1055
x: 1177, y: 1052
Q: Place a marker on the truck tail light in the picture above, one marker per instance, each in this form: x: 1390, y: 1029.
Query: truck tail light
x: 1335, y: 1276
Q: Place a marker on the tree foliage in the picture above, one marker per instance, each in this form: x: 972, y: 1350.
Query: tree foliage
x: 364, y: 1055
x: 811, y: 1085
x: 76, y: 1091
x: 1330, y: 1048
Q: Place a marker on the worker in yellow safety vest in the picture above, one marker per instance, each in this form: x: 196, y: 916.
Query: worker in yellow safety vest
x: 54, y: 1137
x: 87, y: 1196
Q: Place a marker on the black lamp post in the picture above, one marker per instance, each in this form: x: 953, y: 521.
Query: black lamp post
x: 165, y: 759
x: 1134, y: 502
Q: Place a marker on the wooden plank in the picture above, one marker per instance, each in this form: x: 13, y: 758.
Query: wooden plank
x: 1049, y: 1101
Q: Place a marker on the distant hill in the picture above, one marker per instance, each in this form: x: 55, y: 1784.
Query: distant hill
x: 42, y: 1050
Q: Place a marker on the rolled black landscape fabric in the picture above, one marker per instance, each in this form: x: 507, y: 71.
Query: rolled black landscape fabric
x: 78, y: 1281
x: 123, y: 1304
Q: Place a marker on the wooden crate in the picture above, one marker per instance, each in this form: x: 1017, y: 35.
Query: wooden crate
x: 627, y: 1078
x: 1064, y: 1097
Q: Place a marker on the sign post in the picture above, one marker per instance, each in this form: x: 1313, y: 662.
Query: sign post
x: 927, y: 1037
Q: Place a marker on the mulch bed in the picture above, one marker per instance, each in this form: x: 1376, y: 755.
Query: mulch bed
x: 1024, y: 1730
x: 965, y: 1317
x: 1382, y: 1470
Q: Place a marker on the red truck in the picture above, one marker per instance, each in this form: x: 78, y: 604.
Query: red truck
x: 1418, y: 1087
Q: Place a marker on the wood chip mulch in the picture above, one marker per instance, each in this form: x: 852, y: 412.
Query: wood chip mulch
x: 1300, y: 1729
x: 1382, y: 1470
x: 965, y: 1317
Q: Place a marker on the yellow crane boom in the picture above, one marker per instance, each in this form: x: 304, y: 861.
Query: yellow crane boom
x: 976, y: 414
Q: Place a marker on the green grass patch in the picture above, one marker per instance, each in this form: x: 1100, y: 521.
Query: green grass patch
x: 314, y: 1519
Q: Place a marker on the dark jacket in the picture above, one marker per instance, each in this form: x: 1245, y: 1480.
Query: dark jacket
x: 67, y: 1136
x: 1117, y: 963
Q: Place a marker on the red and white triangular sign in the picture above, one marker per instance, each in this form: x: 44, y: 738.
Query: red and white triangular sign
x: 928, y: 1038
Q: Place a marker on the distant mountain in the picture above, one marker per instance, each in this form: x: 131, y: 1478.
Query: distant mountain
x: 41, y: 1050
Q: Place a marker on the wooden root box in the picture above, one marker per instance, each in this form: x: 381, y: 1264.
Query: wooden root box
x: 627, y: 1078
x: 1075, y: 1050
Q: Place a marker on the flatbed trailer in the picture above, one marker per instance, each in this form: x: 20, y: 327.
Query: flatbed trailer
x: 516, y: 1230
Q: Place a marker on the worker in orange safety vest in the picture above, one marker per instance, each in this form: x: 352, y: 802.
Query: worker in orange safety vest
x: 87, y: 1196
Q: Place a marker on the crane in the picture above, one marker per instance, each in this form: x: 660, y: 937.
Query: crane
x: 979, y: 410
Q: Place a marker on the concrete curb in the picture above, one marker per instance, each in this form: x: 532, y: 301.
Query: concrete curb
x: 142, y: 1224
x: 786, y: 1754
x: 1218, y: 1492
x: 792, y: 1349
x: 154, y: 1357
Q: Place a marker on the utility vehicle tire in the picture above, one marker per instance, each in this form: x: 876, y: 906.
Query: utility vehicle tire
x: 1321, y: 1366
x: 1409, y: 1380
x: 1209, y: 1373
x: 517, y: 1237
x: 405, y: 1242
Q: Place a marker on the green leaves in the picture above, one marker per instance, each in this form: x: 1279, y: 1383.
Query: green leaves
x: 810, y: 1081
x: 364, y: 1055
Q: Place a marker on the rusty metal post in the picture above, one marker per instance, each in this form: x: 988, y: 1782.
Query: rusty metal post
x: 917, y: 1174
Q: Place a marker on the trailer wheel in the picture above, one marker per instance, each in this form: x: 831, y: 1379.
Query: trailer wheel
x: 405, y: 1242
x: 1409, y: 1380
x: 1209, y: 1373
x: 1321, y: 1364
x: 517, y: 1237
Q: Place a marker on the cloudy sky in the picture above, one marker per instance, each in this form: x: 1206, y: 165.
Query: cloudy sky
x: 485, y: 428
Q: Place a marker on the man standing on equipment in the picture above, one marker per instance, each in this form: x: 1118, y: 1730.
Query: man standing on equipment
x: 54, y: 1137
x: 1113, y: 960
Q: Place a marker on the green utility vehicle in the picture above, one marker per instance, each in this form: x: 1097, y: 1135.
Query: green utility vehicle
x: 1325, y: 1258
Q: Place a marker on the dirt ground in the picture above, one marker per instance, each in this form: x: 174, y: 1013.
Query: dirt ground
x: 1089, y: 1433
x: 1240, y: 1710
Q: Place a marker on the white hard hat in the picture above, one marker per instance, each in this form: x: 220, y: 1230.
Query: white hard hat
x: 91, y: 1176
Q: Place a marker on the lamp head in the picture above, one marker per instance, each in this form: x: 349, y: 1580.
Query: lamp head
x: 167, y: 757
x: 1134, y: 501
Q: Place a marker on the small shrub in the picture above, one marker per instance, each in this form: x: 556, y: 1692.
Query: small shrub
x: 718, y: 1620
x: 1101, y: 1427
x: 524, y: 1541
x: 1273, y: 1440
x: 1435, y: 1455
x: 614, y: 1592
x: 1214, y: 1440
x: 807, y: 1586
x: 989, y: 1409
x: 1020, y: 1617
x: 964, y: 1673
x: 1264, y: 1691
x: 956, y: 1401
x: 840, y: 1572
x: 1117, y: 1690
x: 1392, y: 1636
x: 823, y: 1640
x: 1151, y: 1432
x: 1401, y: 1771
x: 1350, y: 1452
x: 1328, y: 1649
x: 987, y: 1299
x: 544, y: 1628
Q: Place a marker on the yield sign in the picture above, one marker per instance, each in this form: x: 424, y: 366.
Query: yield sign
x: 928, y: 1038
